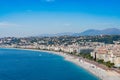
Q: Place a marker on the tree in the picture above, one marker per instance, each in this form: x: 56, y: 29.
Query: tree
x: 101, y: 61
x: 109, y: 64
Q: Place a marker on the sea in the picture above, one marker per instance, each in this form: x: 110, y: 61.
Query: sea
x: 35, y: 65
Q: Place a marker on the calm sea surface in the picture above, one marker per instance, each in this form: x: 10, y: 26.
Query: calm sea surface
x: 33, y: 65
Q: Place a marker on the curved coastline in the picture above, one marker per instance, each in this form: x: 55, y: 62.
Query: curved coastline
x: 97, y: 71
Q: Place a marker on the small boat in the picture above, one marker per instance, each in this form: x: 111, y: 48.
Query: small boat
x: 40, y: 55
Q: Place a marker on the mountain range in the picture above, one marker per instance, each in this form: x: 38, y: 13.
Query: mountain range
x: 90, y: 32
x: 108, y: 31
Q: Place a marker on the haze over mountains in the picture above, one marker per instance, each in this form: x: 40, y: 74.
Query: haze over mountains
x: 108, y: 31
x: 90, y: 32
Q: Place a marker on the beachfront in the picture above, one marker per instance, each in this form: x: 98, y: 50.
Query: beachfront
x: 97, y: 71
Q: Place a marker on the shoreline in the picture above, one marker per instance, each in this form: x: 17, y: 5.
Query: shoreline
x: 95, y: 70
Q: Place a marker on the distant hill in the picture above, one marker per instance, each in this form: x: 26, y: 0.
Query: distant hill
x: 109, y: 31
x: 58, y: 34
x: 90, y: 32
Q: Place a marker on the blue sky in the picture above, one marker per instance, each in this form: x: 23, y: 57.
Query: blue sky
x: 35, y: 17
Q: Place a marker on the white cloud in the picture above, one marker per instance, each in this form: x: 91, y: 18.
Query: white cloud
x: 67, y: 24
x: 49, y: 0
x: 7, y: 24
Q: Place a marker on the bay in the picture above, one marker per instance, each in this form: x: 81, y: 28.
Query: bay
x: 34, y: 65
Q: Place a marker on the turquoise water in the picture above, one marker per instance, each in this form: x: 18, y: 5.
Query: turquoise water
x: 33, y: 65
